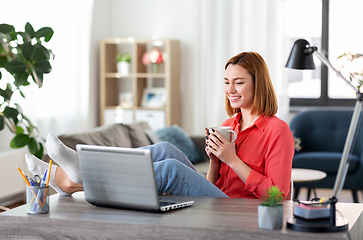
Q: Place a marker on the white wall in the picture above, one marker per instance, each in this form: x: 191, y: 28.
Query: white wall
x: 169, y: 19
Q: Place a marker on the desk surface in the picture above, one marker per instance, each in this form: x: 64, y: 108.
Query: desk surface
x: 208, y: 218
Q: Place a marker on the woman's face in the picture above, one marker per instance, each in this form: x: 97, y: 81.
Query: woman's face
x: 239, y: 87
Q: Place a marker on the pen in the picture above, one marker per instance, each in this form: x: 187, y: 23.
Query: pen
x: 32, y: 183
x: 43, y: 180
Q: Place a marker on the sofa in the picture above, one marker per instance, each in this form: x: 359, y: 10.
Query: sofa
x: 139, y: 134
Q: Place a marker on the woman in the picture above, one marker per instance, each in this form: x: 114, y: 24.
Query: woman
x: 259, y: 158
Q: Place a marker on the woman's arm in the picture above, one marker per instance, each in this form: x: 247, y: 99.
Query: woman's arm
x: 278, y: 154
x: 213, y: 171
x: 214, y: 163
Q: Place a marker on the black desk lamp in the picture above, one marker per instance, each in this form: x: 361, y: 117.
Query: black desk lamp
x: 301, y: 57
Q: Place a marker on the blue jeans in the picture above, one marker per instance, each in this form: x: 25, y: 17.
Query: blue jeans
x: 175, y: 174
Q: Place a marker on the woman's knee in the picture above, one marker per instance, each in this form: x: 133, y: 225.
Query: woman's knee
x: 168, y: 167
x: 164, y: 145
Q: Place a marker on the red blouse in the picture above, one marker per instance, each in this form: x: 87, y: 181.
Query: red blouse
x: 267, y: 147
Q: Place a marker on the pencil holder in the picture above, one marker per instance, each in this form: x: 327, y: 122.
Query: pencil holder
x: 37, y: 199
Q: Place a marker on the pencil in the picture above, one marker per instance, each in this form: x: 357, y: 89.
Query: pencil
x: 50, y: 167
x: 48, y: 177
x: 22, y: 174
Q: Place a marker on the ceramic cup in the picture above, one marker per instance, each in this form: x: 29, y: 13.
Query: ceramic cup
x: 227, y: 132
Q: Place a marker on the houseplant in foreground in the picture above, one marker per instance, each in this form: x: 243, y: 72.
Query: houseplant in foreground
x: 270, y: 211
x: 22, y: 54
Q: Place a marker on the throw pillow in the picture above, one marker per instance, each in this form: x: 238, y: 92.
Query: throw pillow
x: 152, y: 136
x: 137, y: 134
x: 180, y: 139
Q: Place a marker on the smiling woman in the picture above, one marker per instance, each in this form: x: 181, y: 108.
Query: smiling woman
x: 248, y: 68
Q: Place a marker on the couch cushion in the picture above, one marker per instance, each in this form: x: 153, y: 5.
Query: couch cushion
x: 70, y: 141
x: 116, y: 135
x: 137, y: 134
x: 327, y: 162
x: 180, y: 139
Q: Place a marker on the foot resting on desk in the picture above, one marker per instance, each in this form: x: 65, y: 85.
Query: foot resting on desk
x: 38, y: 167
x: 65, y: 157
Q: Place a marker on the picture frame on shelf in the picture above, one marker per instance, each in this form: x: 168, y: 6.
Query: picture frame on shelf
x: 154, y: 97
x: 126, y: 99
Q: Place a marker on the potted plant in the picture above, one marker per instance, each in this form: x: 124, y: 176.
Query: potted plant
x: 357, y: 75
x: 153, y: 57
x: 270, y: 211
x: 123, y: 63
x: 22, y: 54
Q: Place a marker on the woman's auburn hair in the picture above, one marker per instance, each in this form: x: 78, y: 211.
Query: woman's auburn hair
x: 265, y: 102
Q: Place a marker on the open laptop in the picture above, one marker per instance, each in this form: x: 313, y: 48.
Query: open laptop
x: 121, y: 178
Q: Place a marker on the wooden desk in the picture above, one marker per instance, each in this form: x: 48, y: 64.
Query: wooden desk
x: 209, y: 218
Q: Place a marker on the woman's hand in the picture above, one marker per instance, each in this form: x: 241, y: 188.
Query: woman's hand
x: 218, y: 147
x: 211, y: 156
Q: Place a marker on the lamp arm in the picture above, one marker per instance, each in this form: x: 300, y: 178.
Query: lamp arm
x: 328, y: 64
x: 344, y: 162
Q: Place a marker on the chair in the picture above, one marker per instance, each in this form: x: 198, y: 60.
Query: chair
x: 322, y: 134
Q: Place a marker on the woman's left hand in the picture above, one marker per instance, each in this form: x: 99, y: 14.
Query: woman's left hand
x: 221, y: 148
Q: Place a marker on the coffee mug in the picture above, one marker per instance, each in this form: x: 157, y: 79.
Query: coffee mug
x: 226, y: 132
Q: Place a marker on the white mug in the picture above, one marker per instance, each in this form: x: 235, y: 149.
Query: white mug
x: 226, y: 132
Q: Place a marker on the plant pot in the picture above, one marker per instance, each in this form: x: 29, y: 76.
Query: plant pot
x: 123, y: 68
x: 270, y: 217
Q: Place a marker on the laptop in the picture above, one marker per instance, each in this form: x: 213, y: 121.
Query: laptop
x: 121, y: 178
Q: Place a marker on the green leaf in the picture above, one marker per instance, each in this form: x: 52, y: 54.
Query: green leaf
x: 6, y: 28
x: 27, y: 49
x: 19, y: 130
x: 38, y: 53
x: 3, y: 62
x: 273, y: 197
x: 20, y: 79
x: 44, y: 66
x: 10, y: 112
x: 29, y: 29
x: 39, y: 154
x: 37, y: 75
x: 2, y: 122
x: 33, y: 146
x: 4, y: 45
x: 5, y: 94
x: 45, y: 32
x: 47, y: 53
x: 26, y: 37
x: 19, y: 141
x: 13, y: 35
x: 15, y: 66
x: 21, y: 92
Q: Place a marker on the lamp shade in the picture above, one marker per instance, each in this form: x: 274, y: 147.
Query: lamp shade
x: 301, y: 56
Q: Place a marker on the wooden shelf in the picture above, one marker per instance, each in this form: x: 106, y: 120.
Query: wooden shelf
x: 114, y: 86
